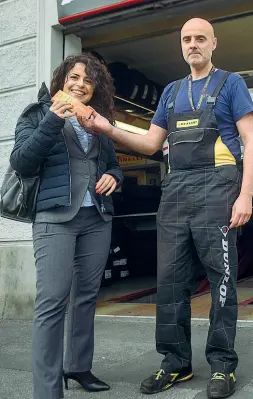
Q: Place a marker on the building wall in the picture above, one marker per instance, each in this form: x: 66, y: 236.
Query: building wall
x: 31, y: 46
x: 18, y: 42
x: 18, y: 27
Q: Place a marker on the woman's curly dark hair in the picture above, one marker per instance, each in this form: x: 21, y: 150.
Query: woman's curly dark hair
x: 102, y: 99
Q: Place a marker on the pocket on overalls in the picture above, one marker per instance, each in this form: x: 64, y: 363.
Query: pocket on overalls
x: 187, y: 136
x: 187, y: 148
x: 228, y: 173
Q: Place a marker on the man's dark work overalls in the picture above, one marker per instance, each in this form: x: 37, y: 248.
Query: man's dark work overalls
x: 198, y: 194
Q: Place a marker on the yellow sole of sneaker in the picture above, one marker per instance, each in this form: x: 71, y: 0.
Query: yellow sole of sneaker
x: 168, y: 386
x: 186, y: 378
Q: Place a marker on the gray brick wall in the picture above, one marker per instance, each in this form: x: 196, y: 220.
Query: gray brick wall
x: 18, y: 31
x: 18, y: 19
x: 19, y: 65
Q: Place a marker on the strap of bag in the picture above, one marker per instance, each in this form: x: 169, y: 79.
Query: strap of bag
x: 174, y: 96
x: 211, y: 100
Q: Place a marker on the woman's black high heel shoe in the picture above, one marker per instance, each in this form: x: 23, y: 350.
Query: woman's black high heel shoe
x: 87, y: 381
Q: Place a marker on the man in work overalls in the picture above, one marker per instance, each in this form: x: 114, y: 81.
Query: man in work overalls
x: 204, y: 199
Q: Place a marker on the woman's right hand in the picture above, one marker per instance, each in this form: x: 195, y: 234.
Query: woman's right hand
x: 59, y: 108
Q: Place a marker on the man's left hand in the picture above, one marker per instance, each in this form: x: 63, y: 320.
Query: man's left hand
x: 242, y: 211
x: 107, y: 184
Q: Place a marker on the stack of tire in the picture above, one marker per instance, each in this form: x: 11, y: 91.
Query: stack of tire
x: 141, y: 198
x: 134, y: 86
x: 116, y: 267
x: 142, y: 253
x: 117, y: 264
x: 141, y: 244
x: 118, y: 203
x: 120, y: 269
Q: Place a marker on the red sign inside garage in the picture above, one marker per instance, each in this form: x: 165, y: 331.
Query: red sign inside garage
x: 72, y: 10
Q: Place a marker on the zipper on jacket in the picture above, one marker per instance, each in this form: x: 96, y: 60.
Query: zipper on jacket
x: 102, y: 206
x: 70, y: 181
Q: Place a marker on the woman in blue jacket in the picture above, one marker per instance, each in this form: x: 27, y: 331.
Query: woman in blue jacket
x: 72, y: 229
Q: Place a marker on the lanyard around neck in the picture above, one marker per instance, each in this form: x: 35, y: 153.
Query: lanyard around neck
x: 201, y: 98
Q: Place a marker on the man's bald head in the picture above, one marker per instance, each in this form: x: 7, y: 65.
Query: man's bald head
x: 198, y: 23
x: 198, y: 42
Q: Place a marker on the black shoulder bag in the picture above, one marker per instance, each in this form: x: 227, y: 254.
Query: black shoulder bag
x: 18, y: 196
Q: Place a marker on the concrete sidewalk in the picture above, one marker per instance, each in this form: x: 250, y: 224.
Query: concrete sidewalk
x: 124, y: 355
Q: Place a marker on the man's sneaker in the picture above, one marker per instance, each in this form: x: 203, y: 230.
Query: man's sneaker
x: 161, y: 381
x: 221, y: 385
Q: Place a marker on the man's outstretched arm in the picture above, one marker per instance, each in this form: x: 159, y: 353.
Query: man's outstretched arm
x: 147, y: 144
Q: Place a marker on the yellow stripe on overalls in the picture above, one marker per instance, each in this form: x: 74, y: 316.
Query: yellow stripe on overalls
x: 222, y: 154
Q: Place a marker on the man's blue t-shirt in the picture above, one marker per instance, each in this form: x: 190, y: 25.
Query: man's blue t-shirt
x: 233, y: 102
